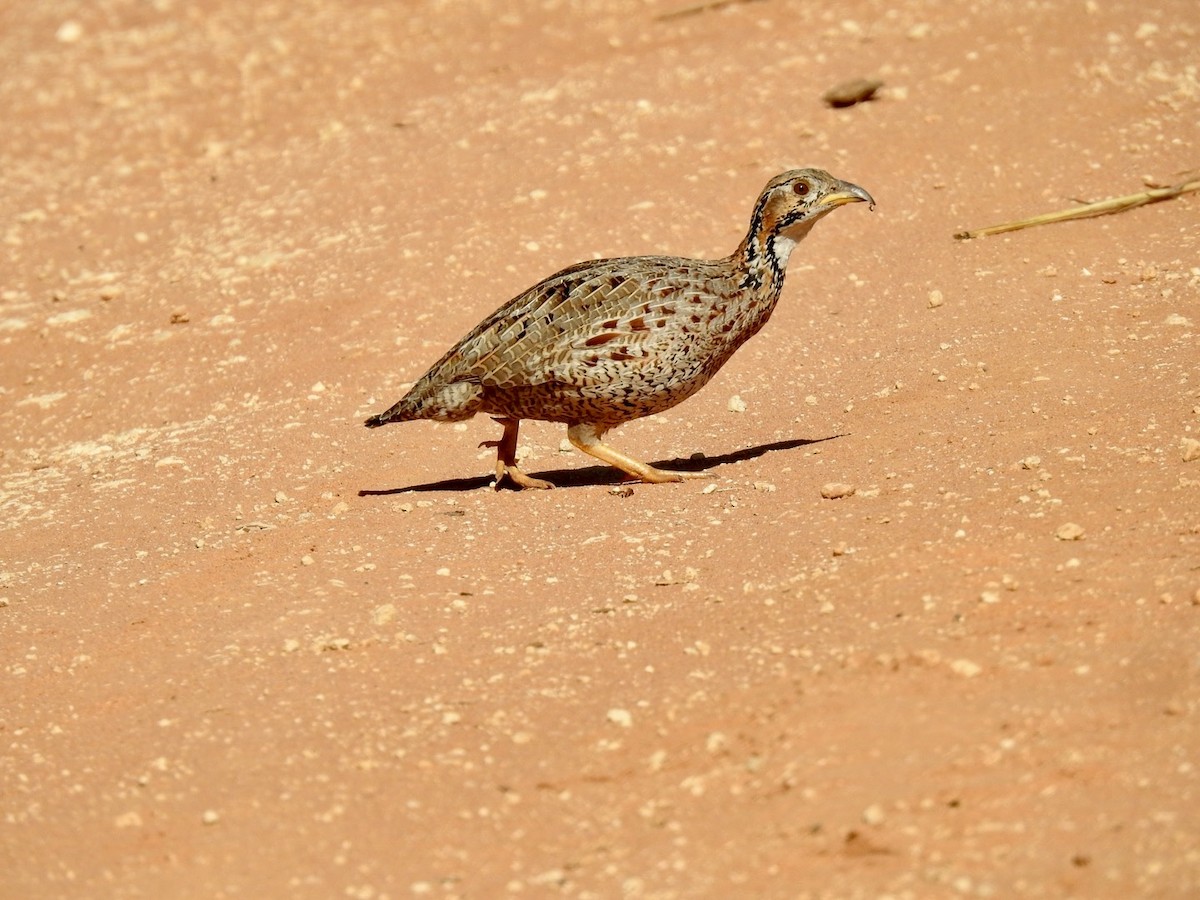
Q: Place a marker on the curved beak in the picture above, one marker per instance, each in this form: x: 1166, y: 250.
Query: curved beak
x: 846, y: 193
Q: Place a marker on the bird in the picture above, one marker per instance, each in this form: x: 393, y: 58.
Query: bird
x: 607, y: 341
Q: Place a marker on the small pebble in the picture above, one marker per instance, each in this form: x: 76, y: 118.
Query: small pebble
x: 306, y: 560
x: 737, y: 404
x: 1190, y: 450
x: 69, y: 32
x: 835, y: 490
x: 620, y: 717
x: 210, y: 817
x: 1069, y: 531
x: 848, y: 93
x: 935, y: 299
x: 873, y: 814
x: 965, y: 668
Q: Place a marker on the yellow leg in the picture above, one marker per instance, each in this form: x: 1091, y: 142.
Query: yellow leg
x: 587, y: 439
x: 506, y: 458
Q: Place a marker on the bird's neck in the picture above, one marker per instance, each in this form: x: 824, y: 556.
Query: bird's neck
x: 763, y: 256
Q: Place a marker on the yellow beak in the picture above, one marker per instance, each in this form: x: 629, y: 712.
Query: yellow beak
x: 846, y: 193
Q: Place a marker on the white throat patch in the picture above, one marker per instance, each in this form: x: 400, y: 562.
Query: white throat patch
x: 782, y: 247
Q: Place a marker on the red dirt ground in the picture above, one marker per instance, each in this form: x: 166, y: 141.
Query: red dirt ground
x: 253, y: 649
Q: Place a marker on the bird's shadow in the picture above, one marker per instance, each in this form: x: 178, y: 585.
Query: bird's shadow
x: 591, y: 476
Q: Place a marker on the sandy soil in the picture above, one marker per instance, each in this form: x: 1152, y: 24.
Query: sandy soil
x: 252, y: 649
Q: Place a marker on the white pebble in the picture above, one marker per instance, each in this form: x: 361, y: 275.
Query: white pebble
x: 965, y: 668
x: 620, y: 717
x: 1069, y: 531
x: 737, y: 404
x: 69, y: 32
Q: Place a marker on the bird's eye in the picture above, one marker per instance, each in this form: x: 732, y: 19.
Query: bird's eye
x: 801, y: 188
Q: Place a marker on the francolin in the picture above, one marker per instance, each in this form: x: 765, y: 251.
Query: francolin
x: 610, y: 340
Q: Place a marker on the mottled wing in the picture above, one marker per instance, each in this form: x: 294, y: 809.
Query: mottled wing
x: 570, y: 327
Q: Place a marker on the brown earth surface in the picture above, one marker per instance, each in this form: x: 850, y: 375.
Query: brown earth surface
x: 252, y: 649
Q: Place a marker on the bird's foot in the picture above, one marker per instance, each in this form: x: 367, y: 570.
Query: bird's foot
x: 519, y: 478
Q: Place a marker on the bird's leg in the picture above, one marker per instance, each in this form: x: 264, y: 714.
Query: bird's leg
x: 506, y: 457
x: 587, y: 439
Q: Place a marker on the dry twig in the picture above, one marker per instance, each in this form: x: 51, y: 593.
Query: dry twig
x: 1088, y: 210
x: 699, y: 8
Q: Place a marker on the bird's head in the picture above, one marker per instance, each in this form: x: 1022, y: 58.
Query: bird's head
x: 791, y: 204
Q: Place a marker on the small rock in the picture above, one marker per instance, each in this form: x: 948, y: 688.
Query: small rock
x: 383, y: 614
x: 621, y: 490
x: 210, y: 817
x: 69, y: 32
x: 620, y: 717
x: 1031, y: 462
x: 737, y: 404
x: 848, y: 93
x: 835, y: 490
x: 109, y: 292
x: 1069, y: 531
x: 873, y: 814
x: 130, y: 819
x: 306, y: 560
x: 765, y: 486
x: 1177, y: 319
x: 989, y: 597
x: 1190, y: 450
x: 935, y: 299
x: 966, y: 668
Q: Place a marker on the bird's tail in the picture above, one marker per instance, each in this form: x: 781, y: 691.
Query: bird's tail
x: 398, y: 413
x: 429, y: 399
